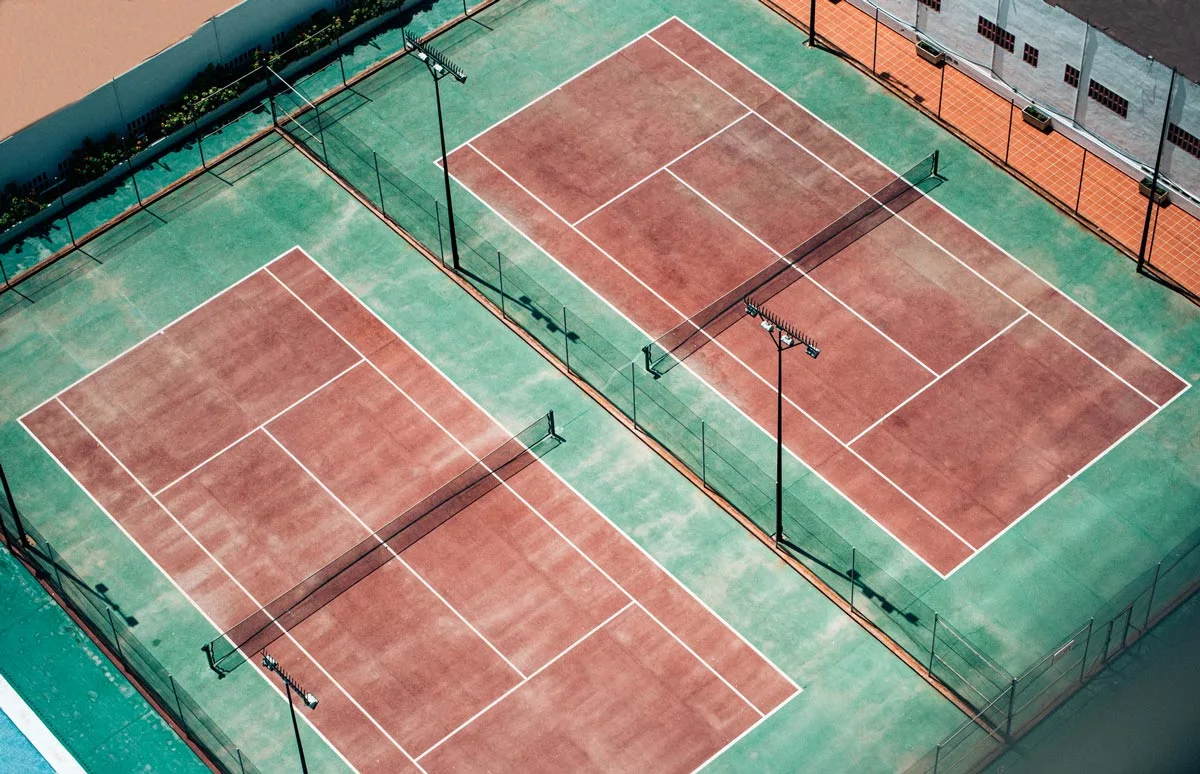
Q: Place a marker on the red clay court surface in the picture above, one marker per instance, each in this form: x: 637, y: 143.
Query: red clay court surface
x: 258, y: 437
x: 956, y: 389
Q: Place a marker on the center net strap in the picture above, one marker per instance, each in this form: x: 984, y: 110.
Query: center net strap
x: 260, y: 629
x: 689, y: 336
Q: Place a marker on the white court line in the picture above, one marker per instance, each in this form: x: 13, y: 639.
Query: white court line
x: 529, y: 505
x: 154, y: 562
x: 542, y: 96
x: 32, y: 728
x: 532, y: 675
x: 780, y: 256
x: 371, y: 532
x: 664, y: 167
x: 902, y: 219
x: 261, y: 425
x: 143, y: 340
x: 1080, y: 472
x: 755, y: 374
x: 742, y: 735
x: 939, y: 246
x: 236, y: 582
x: 964, y: 359
x: 648, y: 556
x: 718, y: 393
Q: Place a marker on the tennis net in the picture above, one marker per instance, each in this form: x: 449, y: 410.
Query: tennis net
x: 269, y: 623
x: 686, y: 338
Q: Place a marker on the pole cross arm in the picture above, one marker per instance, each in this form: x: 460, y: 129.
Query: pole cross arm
x: 437, y: 62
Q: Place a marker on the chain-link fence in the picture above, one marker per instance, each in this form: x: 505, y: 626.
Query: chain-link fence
x: 1006, y: 705
x: 1081, y: 118
x: 111, y: 630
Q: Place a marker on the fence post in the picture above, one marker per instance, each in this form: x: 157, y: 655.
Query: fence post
x: 853, y: 574
x: 175, y: 690
x: 933, y: 645
x: 937, y: 754
x: 116, y: 638
x: 703, y: 454
x: 54, y: 564
x: 566, y: 341
x: 875, y: 43
x: 1012, y: 108
x: 1107, y: 640
x: 199, y: 144
x: 1162, y: 141
x: 1149, y: 602
x: 1087, y: 644
x: 500, y: 272
x: 379, y: 182
x: 1012, y: 696
x: 66, y: 216
x: 133, y: 177
x: 1082, y: 172
x: 633, y: 383
x: 941, y: 89
x: 22, y: 538
x: 340, y: 64
x: 812, y: 23
x: 437, y: 212
x: 241, y: 763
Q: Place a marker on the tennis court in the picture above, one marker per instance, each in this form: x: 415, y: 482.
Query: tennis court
x: 955, y: 391
x: 266, y: 435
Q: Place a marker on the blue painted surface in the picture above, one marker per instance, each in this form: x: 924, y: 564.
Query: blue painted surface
x: 17, y: 754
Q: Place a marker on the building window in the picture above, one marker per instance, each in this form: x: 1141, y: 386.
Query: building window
x: 997, y: 34
x: 934, y: 4
x: 1071, y: 76
x: 1186, y: 140
x: 1109, y: 99
x: 1030, y: 56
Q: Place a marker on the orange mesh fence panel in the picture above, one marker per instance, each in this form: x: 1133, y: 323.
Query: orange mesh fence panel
x: 1050, y: 160
x: 896, y: 61
x: 844, y: 26
x: 976, y: 111
x: 1176, y: 247
x: 1110, y: 199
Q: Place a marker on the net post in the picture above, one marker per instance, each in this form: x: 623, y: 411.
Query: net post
x: 1153, y: 588
x: 566, y: 340
x: 933, y: 645
x: 22, y: 537
x: 379, y: 181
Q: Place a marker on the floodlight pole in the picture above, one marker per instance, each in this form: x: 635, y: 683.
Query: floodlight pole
x: 439, y: 67
x: 784, y: 336
x: 290, y: 685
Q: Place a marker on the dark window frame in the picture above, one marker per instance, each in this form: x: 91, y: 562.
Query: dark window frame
x: 1108, y: 98
x: 1030, y: 55
x: 934, y: 5
x: 1182, y: 138
x: 1071, y: 77
x: 997, y: 34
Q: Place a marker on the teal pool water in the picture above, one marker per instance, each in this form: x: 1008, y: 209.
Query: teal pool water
x: 17, y: 753
x: 26, y: 745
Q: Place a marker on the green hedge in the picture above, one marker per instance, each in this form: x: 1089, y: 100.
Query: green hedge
x: 212, y: 87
